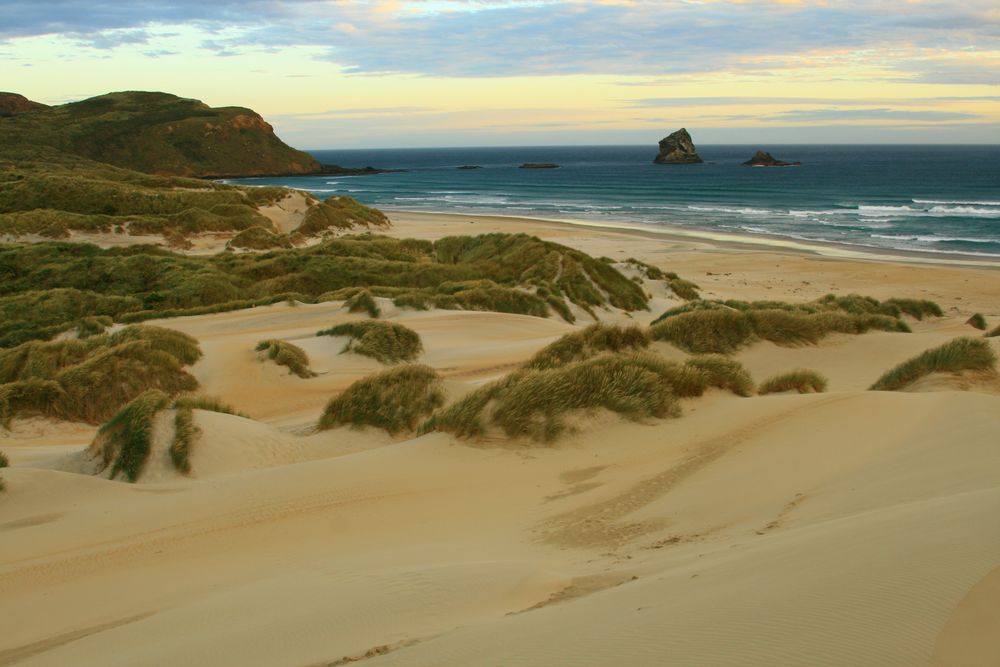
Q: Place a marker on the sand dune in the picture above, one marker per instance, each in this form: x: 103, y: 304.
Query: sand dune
x: 843, y: 528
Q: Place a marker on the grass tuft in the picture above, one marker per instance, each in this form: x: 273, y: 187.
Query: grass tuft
x: 362, y: 302
x: 387, y: 342
x: 124, y: 442
x: 185, y: 432
x: 394, y: 400
x: 956, y: 355
x: 286, y: 354
x: 803, y: 381
x: 977, y: 321
x: 587, y: 343
x: 995, y: 331
x: 724, y: 373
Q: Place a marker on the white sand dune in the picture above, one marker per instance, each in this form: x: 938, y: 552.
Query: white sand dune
x: 844, y: 528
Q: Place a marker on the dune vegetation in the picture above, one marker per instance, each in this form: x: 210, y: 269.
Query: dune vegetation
x: 723, y: 327
x: 4, y: 462
x: 362, y: 302
x: 588, y: 342
x: 387, y: 342
x: 394, y: 400
x: 995, y: 331
x: 535, y: 404
x: 977, y: 321
x: 124, y: 442
x: 802, y: 380
x: 684, y: 289
x: 499, y: 272
x: 88, y: 380
x: 288, y: 355
x: 960, y: 354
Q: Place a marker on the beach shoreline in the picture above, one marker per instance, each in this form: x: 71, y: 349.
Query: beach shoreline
x: 718, y: 240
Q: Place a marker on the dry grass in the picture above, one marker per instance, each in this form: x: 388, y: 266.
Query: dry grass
x: 801, y: 380
x: 995, y: 331
x: 387, y: 342
x: 286, y: 354
x: 362, y: 301
x: 591, y: 341
x: 535, y: 403
x: 724, y: 373
x: 960, y: 354
x: 394, y: 400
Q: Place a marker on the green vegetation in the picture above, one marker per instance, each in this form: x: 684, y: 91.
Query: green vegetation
x: 362, y: 301
x: 394, y: 400
x: 956, y: 355
x: 685, y: 289
x: 724, y: 327
x: 802, y: 380
x: 718, y: 371
x: 159, y: 133
x: 185, y: 430
x: 4, y: 461
x: 46, y: 288
x: 340, y: 213
x: 89, y: 380
x: 916, y: 308
x: 124, y: 442
x: 593, y: 340
x: 387, y: 342
x: 535, y: 403
x: 977, y: 321
x: 259, y: 238
x: 995, y: 331
x: 286, y: 354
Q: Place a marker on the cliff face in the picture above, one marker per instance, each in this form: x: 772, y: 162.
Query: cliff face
x: 12, y: 104
x: 163, y: 134
x: 678, y: 148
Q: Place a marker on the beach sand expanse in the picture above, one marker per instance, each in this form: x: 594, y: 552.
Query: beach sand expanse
x: 849, y: 527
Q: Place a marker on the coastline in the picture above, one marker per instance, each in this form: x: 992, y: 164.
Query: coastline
x: 715, y: 239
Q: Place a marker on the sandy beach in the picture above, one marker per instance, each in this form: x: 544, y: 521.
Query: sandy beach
x: 849, y: 527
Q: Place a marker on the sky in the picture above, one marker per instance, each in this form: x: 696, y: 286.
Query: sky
x: 390, y: 74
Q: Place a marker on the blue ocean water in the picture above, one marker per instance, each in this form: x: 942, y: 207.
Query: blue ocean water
x: 943, y: 199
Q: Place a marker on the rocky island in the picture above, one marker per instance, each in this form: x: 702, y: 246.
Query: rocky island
x: 678, y: 148
x: 765, y: 159
x: 469, y: 167
x: 538, y: 165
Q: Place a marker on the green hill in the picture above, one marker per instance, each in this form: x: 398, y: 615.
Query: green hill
x: 156, y: 133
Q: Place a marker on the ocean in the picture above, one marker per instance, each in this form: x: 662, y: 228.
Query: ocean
x: 940, y: 199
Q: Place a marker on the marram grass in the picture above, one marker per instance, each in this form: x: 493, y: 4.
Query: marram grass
x: 960, y: 354
x: 387, y: 342
x: 288, y: 355
x: 362, y: 302
x: 394, y: 400
x: 124, y: 442
x: 977, y: 321
x: 534, y: 404
x: 588, y: 342
x: 802, y: 380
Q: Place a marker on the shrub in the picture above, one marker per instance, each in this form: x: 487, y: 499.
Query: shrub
x: 387, y: 342
x: 286, y: 354
x: 801, y: 380
x: 587, y: 343
x: 956, y: 355
x: 977, y: 321
x: 394, y: 400
x: 723, y: 373
x: 124, y: 442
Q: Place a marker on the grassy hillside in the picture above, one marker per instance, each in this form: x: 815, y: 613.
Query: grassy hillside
x: 49, y: 193
x: 157, y: 133
x: 50, y: 287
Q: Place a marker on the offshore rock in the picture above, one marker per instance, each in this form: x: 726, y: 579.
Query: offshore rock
x: 678, y: 148
x: 765, y: 159
x: 538, y: 165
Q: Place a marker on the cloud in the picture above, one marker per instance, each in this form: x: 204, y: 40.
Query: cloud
x: 834, y: 114
x: 671, y: 102
x: 475, y: 38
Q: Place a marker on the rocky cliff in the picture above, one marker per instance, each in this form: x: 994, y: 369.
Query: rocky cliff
x: 159, y: 133
x: 678, y: 148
